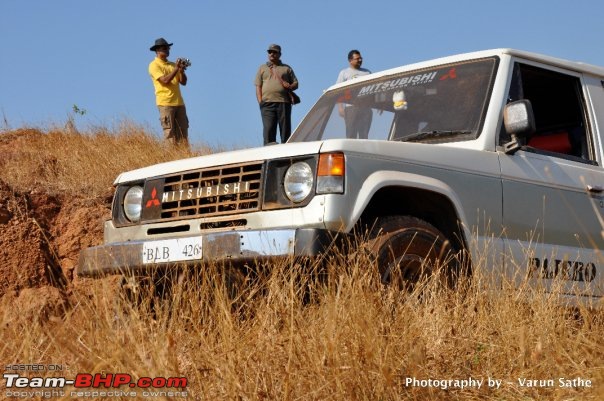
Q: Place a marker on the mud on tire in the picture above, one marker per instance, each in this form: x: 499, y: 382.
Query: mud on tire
x: 409, y: 250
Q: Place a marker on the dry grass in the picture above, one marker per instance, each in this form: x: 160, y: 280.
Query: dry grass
x: 81, y: 163
x: 290, y: 334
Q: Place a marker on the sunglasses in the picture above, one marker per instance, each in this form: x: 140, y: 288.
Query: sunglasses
x: 273, y: 52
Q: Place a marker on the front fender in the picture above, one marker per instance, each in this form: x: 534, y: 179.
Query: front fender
x: 383, y: 179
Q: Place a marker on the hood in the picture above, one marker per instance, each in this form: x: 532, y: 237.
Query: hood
x: 221, y: 159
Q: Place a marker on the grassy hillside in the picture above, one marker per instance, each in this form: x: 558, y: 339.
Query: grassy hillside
x: 286, y: 332
x: 77, y: 163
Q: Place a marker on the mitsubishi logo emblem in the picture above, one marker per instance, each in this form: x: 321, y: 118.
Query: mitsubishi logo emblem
x: 451, y: 74
x: 153, y: 201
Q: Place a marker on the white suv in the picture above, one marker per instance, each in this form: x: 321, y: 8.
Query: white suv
x: 495, y: 154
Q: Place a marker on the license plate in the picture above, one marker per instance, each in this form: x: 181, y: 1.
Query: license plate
x: 172, y: 250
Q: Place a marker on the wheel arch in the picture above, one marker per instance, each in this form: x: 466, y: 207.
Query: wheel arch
x: 395, y: 193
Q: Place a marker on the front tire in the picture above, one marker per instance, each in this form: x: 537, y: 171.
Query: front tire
x: 409, y: 251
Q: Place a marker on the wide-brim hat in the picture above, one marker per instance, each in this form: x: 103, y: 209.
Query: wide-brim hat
x: 159, y: 43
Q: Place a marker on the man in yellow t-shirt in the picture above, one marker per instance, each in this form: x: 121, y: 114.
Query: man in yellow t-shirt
x: 167, y: 78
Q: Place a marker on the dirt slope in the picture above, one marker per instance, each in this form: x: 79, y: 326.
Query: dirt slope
x: 41, y: 235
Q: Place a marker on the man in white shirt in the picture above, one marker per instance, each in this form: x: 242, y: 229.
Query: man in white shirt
x: 357, y: 119
x: 355, y: 60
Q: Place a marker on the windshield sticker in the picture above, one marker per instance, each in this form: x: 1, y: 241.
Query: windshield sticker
x: 397, y: 83
x: 451, y: 74
x: 347, y: 96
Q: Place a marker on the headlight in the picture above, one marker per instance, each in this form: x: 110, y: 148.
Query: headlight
x: 298, y: 182
x: 133, y: 204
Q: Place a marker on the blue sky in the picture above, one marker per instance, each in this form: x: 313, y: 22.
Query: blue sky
x: 94, y: 54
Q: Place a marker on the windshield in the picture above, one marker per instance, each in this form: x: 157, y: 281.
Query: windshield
x: 441, y: 104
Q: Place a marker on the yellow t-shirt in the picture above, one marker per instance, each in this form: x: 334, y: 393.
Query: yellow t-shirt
x: 165, y: 95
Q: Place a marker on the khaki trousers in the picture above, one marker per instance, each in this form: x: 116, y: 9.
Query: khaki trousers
x: 175, y: 124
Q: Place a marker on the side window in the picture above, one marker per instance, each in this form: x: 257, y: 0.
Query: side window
x: 558, y: 108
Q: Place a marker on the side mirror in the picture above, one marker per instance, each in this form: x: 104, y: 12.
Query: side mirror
x: 519, y: 122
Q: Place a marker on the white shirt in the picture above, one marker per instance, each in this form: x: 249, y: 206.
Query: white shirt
x: 351, y: 73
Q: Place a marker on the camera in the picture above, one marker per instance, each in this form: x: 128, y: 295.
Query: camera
x: 185, y: 62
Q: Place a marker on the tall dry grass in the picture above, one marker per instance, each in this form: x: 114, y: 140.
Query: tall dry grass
x: 287, y: 332
x: 84, y: 162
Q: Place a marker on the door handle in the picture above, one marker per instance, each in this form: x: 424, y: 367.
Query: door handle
x: 595, y: 189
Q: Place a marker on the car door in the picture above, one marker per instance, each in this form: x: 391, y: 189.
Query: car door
x: 553, y: 195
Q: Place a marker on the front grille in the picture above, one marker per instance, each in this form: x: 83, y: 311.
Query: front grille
x: 215, y: 191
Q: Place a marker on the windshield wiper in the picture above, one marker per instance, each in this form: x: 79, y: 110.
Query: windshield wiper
x: 417, y: 136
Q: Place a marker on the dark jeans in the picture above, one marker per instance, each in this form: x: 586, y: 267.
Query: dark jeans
x: 358, y: 122
x: 273, y: 114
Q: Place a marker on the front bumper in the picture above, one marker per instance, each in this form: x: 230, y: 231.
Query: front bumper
x: 237, y: 247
